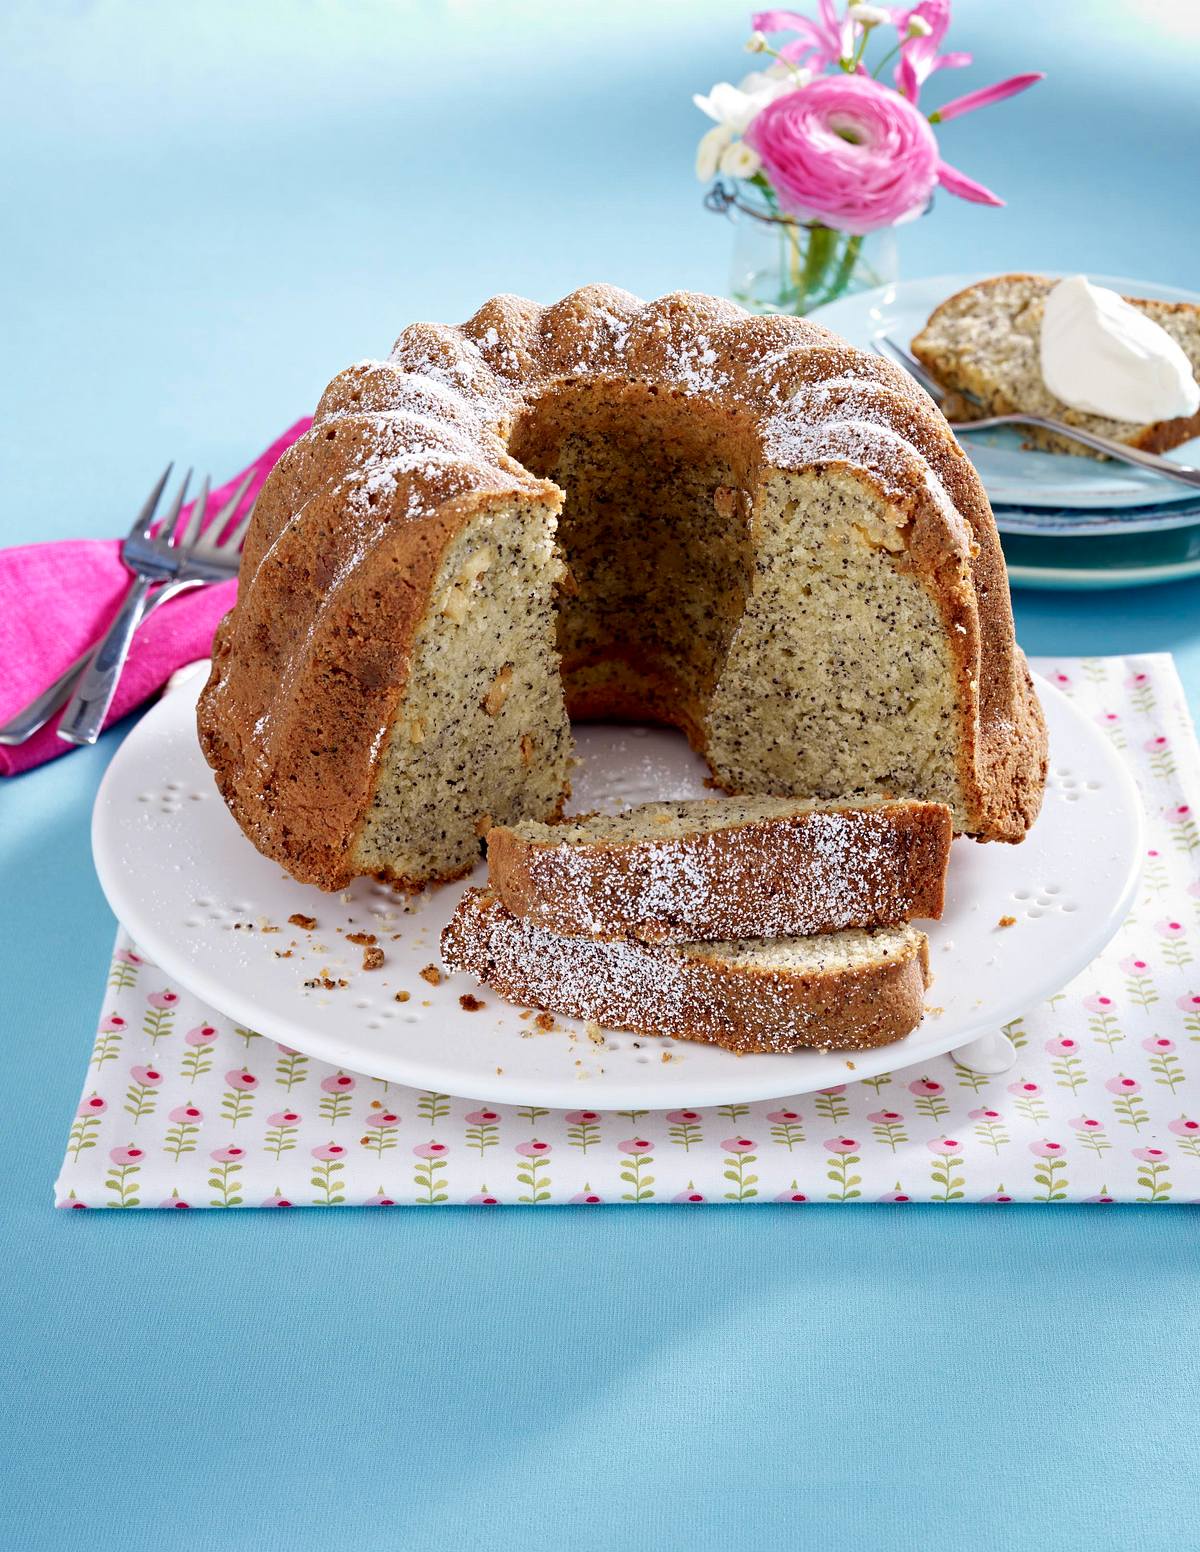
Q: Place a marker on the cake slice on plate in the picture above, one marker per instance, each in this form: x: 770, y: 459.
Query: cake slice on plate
x: 720, y: 868
x: 984, y: 345
x: 840, y: 991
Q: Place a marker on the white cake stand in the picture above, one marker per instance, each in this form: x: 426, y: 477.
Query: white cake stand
x: 197, y: 898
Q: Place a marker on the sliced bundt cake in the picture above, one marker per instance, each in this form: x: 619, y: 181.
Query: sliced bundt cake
x: 708, y: 868
x: 673, y: 510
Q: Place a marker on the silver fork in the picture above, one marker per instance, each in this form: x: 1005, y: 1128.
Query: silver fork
x: 1183, y: 473
x: 179, y: 556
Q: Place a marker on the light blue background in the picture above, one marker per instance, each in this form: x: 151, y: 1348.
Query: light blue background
x: 207, y: 209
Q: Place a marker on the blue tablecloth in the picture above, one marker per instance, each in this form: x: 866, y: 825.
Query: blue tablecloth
x: 208, y: 210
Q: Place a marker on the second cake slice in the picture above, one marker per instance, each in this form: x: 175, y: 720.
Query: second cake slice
x: 721, y: 868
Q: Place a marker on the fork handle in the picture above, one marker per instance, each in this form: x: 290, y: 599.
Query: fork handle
x: 93, y: 695
x: 1184, y: 473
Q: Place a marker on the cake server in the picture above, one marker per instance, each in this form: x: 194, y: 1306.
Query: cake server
x: 1182, y: 473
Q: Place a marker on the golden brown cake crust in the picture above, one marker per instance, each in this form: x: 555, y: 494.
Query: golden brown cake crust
x: 310, y: 667
x: 655, y: 989
x: 784, y: 876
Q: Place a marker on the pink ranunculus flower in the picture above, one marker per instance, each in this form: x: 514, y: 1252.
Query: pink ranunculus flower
x: 534, y: 1149
x: 1045, y: 1149
x: 239, y: 1079
x: 1086, y: 1124
x: 847, y: 151
x: 227, y: 1155
x: 1169, y: 929
x: 841, y: 1145
x: 1098, y: 1004
x: 684, y: 1117
x: 635, y: 1145
x: 1132, y: 965
x: 1153, y: 745
x: 1025, y: 1087
x: 784, y: 1117
x: 430, y: 1150
x: 1158, y: 1045
x: 328, y: 1151
x: 885, y: 1117
x: 1062, y: 1045
x: 480, y: 1199
x: 926, y: 1086
x: 126, y: 1155
x: 895, y: 1196
x: 984, y: 1114
x: 283, y: 1118
x: 486, y: 1117
x: 1149, y: 1155
x: 1123, y: 1085
x: 112, y: 1024
x: 163, y: 999
x: 944, y: 1145
x: 148, y: 1077
x: 186, y: 1115
x: 688, y: 1196
x: 739, y: 1145
x: 1190, y: 1003
x: 94, y: 1105
x: 586, y: 1199
x: 337, y: 1083
x: 1184, y: 1127
x: 203, y: 1034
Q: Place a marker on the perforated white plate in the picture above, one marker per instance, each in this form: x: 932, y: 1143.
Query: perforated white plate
x: 199, y: 899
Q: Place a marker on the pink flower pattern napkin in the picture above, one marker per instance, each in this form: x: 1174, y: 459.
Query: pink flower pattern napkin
x: 183, y: 1108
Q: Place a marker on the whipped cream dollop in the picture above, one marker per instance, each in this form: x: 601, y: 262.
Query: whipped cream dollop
x: 1103, y: 356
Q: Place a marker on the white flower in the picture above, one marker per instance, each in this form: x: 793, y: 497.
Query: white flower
x: 918, y: 27
x: 740, y: 160
x: 713, y: 144
x: 756, y: 43
x: 867, y: 15
x: 734, y: 106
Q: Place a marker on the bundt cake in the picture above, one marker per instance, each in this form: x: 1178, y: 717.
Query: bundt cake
x: 837, y: 991
x: 674, y: 510
x: 720, y: 868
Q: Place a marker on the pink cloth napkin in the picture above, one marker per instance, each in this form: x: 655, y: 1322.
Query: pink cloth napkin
x: 57, y: 599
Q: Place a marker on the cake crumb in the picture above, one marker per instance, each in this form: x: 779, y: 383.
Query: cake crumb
x: 1007, y: 921
x: 850, y: 1064
x: 545, y: 1021
x: 283, y: 953
x: 667, y: 1057
x: 372, y: 959
x: 307, y: 922
x: 363, y: 939
x: 499, y: 1070
x: 470, y: 1003
x: 594, y: 1032
x: 268, y: 928
x: 401, y: 996
x: 432, y: 974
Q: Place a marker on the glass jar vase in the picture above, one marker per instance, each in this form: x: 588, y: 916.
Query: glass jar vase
x: 784, y: 265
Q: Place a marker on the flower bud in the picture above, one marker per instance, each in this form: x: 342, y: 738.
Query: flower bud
x: 867, y: 15
x: 756, y: 43
x: 918, y: 27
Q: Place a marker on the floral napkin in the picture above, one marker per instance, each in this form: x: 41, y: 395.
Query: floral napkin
x: 183, y: 1108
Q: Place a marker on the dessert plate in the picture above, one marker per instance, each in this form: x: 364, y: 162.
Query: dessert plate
x: 1012, y: 476
x: 214, y: 914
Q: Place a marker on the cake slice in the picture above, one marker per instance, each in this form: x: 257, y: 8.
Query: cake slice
x: 842, y: 991
x: 708, y: 868
x: 984, y: 342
